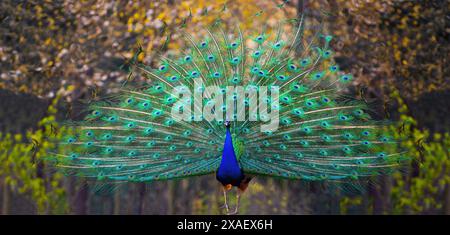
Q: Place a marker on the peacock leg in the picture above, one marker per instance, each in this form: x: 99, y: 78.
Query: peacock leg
x: 238, y: 199
x: 225, y: 197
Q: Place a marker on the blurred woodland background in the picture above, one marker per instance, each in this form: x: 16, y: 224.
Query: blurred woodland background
x: 56, y: 54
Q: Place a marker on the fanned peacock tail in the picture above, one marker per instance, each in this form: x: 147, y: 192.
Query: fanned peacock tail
x: 323, y: 134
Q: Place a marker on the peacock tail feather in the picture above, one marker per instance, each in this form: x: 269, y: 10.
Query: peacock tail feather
x: 323, y: 133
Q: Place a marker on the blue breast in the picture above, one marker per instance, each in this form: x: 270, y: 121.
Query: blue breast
x: 229, y: 171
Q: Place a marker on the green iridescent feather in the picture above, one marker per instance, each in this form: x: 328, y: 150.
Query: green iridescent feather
x: 323, y: 134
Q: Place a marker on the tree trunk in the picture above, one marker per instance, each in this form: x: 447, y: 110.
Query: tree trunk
x: 300, y: 7
x: 285, y: 197
x: 130, y: 198
x: 141, y: 202
x: 117, y: 201
x: 334, y: 9
x: 5, y: 201
x: 213, y: 198
x: 170, y: 198
x: 375, y: 192
x: 81, y: 199
x: 447, y: 199
x: 187, y: 198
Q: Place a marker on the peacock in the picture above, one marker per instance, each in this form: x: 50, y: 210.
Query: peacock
x: 266, y: 103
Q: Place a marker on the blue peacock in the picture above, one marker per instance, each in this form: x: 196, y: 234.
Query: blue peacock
x: 323, y: 134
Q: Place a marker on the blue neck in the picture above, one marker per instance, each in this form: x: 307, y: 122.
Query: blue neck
x: 229, y: 166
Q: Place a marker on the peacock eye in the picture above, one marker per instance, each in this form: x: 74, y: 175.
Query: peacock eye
x: 95, y: 163
x: 73, y: 156
x: 359, y: 112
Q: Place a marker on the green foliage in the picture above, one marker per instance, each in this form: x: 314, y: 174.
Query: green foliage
x: 347, y: 202
x: 23, y: 171
x: 420, y: 188
x: 424, y: 191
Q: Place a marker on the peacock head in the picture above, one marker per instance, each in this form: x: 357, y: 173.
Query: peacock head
x: 227, y: 124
